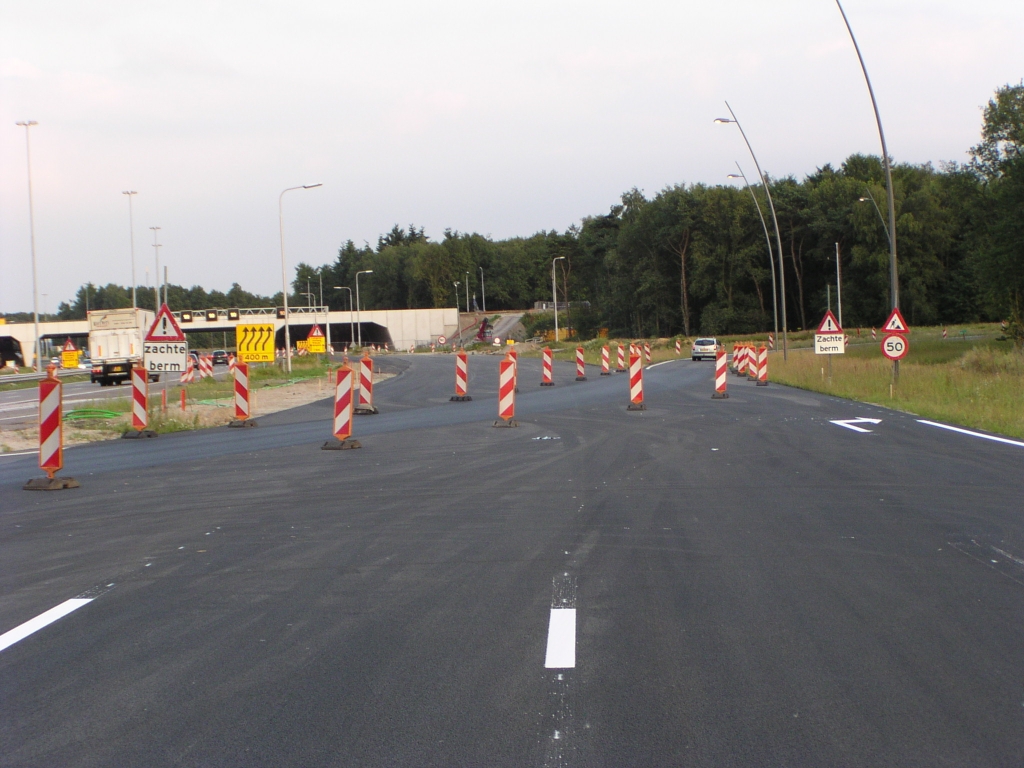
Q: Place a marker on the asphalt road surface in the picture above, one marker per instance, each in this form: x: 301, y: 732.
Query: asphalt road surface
x: 734, y: 582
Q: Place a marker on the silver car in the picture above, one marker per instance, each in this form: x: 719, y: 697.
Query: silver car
x: 704, y: 349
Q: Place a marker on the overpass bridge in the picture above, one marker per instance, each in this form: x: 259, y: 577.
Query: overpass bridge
x: 399, y: 328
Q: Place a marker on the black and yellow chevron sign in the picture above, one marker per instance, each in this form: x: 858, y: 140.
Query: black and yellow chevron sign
x: 255, y: 342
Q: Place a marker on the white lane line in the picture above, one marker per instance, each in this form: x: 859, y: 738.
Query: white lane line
x: 972, y: 434
x: 663, y: 362
x: 17, y: 453
x: 561, y: 652
x: 9, y: 638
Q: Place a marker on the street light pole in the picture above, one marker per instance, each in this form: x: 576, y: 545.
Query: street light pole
x: 467, y: 293
x: 458, y: 320
x: 768, y: 240
x: 554, y: 293
x: 351, y: 325
x: 131, y: 240
x: 775, y: 220
x: 284, y: 270
x: 894, y: 285
x: 26, y: 124
x: 881, y: 218
x: 156, y: 275
x: 839, y: 286
x: 359, y: 316
x: 483, y: 296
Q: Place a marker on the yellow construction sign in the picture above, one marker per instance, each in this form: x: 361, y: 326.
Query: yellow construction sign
x: 69, y: 355
x: 316, y: 343
x: 255, y: 342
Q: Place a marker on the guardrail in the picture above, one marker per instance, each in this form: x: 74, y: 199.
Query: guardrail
x: 12, y: 378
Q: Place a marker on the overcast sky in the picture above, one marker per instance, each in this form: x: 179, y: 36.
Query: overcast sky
x: 499, y: 118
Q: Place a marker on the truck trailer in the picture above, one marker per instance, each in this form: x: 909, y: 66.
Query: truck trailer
x: 115, y: 344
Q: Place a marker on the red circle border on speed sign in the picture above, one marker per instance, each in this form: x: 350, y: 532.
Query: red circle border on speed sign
x: 900, y: 344
x: 442, y: 340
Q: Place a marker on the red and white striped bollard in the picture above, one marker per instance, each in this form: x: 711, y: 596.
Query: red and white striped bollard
x: 636, y: 385
x: 506, y: 394
x: 546, y: 377
x: 365, y: 405
x: 581, y: 366
x: 620, y: 366
x: 140, y: 405
x: 461, y: 377
x: 605, y: 354
x: 51, y: 435
x: 344, y: 391
x: 762, y: 367
x: 721, y: 375
x: 243, y: 408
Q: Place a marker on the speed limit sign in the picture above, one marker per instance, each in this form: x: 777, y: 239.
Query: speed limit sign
x: 442, y: 340
x: 895, y: 347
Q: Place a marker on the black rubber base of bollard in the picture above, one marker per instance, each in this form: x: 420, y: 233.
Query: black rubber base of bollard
x: 50, y: 484
x: 636, y: 407
x: 138, y: 434
x: 581, y: 378
x: 243, y: 423
x: 762, y: 383
x: 606, y: 373
x: 459, y: 398
x: 547, y: 383
x: 506, y: 423
x: 720, y: 396
x: 340, y: 445
x: 365, y: 410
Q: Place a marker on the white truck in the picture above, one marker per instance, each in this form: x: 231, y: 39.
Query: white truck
x: 115, y: 343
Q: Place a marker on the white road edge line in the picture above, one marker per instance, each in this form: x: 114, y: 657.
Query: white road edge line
x: 663, y: 362
x: 9, y: 638
x: 561, y: 651
x: 972, y: 434
x: 17, y: 453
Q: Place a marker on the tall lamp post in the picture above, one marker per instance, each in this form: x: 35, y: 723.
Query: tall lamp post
x: 351, y: 323
x: 775, y: 221
x: 284, y: 270
x: 894, y: 285
x: 767, y: 239
x: 359, y: 316
x: 156, y: 278
x: 467, y: 293
x: 483, y: 296
x: 458, y: 320
x: 131, y: 241
x: 881, y: 218
x: 26, y: 124
x: 554, y: 292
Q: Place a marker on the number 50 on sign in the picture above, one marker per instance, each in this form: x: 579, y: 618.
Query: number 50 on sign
x: 895, y: 347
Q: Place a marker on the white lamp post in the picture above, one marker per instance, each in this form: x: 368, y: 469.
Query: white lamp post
x: 359, y: 315
x: 26, y: 124
x: 284, y: 271
x: 554, y: 292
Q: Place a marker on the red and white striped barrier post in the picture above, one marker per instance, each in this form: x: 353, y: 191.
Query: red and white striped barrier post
x: 735, y: 358
x: 605, y: 354
x: 771, y: 339
x: 581, y: 366
x: 762, y: 367
x: 506, y: 394
x: 679, y: 347
x: 636, y: 385
x: 205, y: 367
x: 344, y: 392
x: 365, y: 405
x: 721, y: 375
x: 231, y: 362
x: 620, y: 366
x: 461, y: 377
x: 514, y: 357
x: 753, y: 363
x: 741, y: 367
x: 189, y: 375
x: 545, y: 367
x: 647, y: 353
x: 140, y: 405
x: 51, y: 436
x: 243, y: 408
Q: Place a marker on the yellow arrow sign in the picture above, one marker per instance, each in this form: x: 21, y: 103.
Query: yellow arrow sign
x: 255, y: 342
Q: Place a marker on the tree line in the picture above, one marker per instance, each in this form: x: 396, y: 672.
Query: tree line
x: 694, y: 258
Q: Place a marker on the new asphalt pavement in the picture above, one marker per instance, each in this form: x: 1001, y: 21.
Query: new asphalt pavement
x: 740, y: 582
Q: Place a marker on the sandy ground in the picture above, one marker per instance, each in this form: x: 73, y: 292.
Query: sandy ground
x: 195, y: 416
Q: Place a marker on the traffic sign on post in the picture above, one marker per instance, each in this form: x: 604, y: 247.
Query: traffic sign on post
x: 316, y: 343
x: 164, y: 349
x: 895, y: 346
x: 896, y: 323
x: 69, y: 355
x: 829, y: 339
x: 255, y: 342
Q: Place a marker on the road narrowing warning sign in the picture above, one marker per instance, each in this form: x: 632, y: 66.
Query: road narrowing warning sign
x: 255, y: 342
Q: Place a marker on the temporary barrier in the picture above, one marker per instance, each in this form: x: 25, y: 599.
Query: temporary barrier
x: 514, y: 357
x: 51, y: 436
x: 183, y: 399
x: 342, y: 428
x: 546, y: 379
x: 205, y: 367
x: 771, y: 340
x: 190, y: 372
x: 581, y: 366
x: 636, y: 385
x: 243, y: 410
x: 365, y: 405
x: 679, y: 347
x: 735, y: 358
x: 647, y: 353
x: 140, y: 405
x: 605, y: 354
x: 741, y: 366
x: 721, y: 376
x: 753, y: 363
x: 506, y: 394
x: 461, y: 377
x: 762, y: 367
x: 231, y: 363
x: 621, y: 361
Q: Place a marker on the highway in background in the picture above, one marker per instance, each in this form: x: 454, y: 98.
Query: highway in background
x: 780, y: 578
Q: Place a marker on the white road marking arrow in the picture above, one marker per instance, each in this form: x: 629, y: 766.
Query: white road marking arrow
x: 851, y: 423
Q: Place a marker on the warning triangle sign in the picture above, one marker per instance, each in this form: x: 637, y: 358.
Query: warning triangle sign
x: 69, y: 347
x: 829, y: 324
x: 165, y: 327
x: 315, y: 332
x: 896, y: 323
